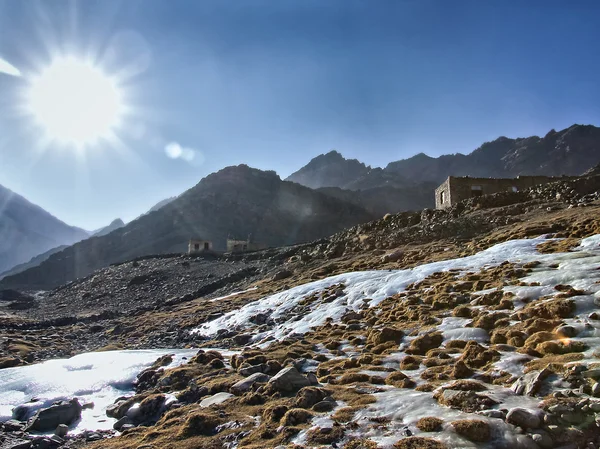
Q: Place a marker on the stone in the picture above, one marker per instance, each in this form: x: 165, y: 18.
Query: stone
x: 123, y: 421
x: 566, y: 331
x: 118, y: 409
x: 542, y: 439
x: 12, y: 425
x: 531, y: 383
x: 48, y: 419
x: 523, y: 418
x: 288, y: 380
x: 493, y: 413
x: 247, y: 370
x: 282, y: 274
x: 324, y: 406
x: 62, y: 430
x: 16, y: 444
x: 215, y: 399
x: 312, y: 378
x: 246, y: 384
x: 394, y: 256
x: 592, y: 373
x: 309, y: 396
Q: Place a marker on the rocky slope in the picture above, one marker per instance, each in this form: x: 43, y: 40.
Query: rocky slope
x: 437, y: 329
x: 238, y: 201
x: 27, y: 230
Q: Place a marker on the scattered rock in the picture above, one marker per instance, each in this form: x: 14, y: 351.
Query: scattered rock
x: 288, y: 380
x: 48, y: 419
x: 531, y: 383
x: 523, y: 418
x: 215, y: 399
x: 246, y: 384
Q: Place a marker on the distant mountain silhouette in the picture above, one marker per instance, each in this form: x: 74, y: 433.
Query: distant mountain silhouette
x: 568, y: 152
x: 115, y: 224
x: 27, y: 230
x: 236, y: 200
x: 408, y: 184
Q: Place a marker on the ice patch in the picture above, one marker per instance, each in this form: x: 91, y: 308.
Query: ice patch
x: 360, y: 289
x: 98, y: 377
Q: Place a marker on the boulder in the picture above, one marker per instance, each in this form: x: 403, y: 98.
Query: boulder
x: 61, y: 431
x: 288, y: 380
x: 309, y: 396
x: 119, y: 408
x: 48, y: 419
x: 531, y: 383
x: 246, y: 384
x: 523, y: 418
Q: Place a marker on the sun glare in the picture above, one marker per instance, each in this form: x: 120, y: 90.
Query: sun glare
x: 75, y: 102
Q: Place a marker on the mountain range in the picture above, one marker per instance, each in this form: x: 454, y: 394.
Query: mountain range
x: 236, y: 201
x: 568, y: 152
x: 327, y: 195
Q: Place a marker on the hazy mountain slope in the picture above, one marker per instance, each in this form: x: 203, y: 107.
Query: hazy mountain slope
x: 33, y: 262
x: 236, y: 200
x: 387, y: 199
x: 115, y: 224
x: 27, y: 230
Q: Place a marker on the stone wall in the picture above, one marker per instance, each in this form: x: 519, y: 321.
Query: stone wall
x: 456, y: 189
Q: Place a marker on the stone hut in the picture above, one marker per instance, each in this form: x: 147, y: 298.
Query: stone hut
x: 455, y: 189
x: 240, y: 246
x: 199, y: 246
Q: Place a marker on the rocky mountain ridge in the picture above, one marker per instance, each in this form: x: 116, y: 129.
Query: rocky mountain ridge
x: 237, y: 201
x: 570, y: 151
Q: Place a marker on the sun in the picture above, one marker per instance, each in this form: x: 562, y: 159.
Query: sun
x: 75, y: 102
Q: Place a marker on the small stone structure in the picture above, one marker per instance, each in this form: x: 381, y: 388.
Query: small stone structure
x: 240, y: 246
x: 199, y: 246
x: 455, y: 189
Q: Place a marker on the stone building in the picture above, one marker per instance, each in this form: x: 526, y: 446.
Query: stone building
x: 455, y: 189
x: 239, y: 246
x: 199, y: 246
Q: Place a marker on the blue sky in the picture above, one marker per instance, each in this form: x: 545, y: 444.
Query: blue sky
x: 275, y: 83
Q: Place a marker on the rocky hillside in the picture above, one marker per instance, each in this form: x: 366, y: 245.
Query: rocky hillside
x: 472, y: 327
x: 237, y: 201
x: 27, y: 230
x: 571, y: 151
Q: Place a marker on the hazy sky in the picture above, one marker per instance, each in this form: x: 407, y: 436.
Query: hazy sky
x: 275, y: 83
